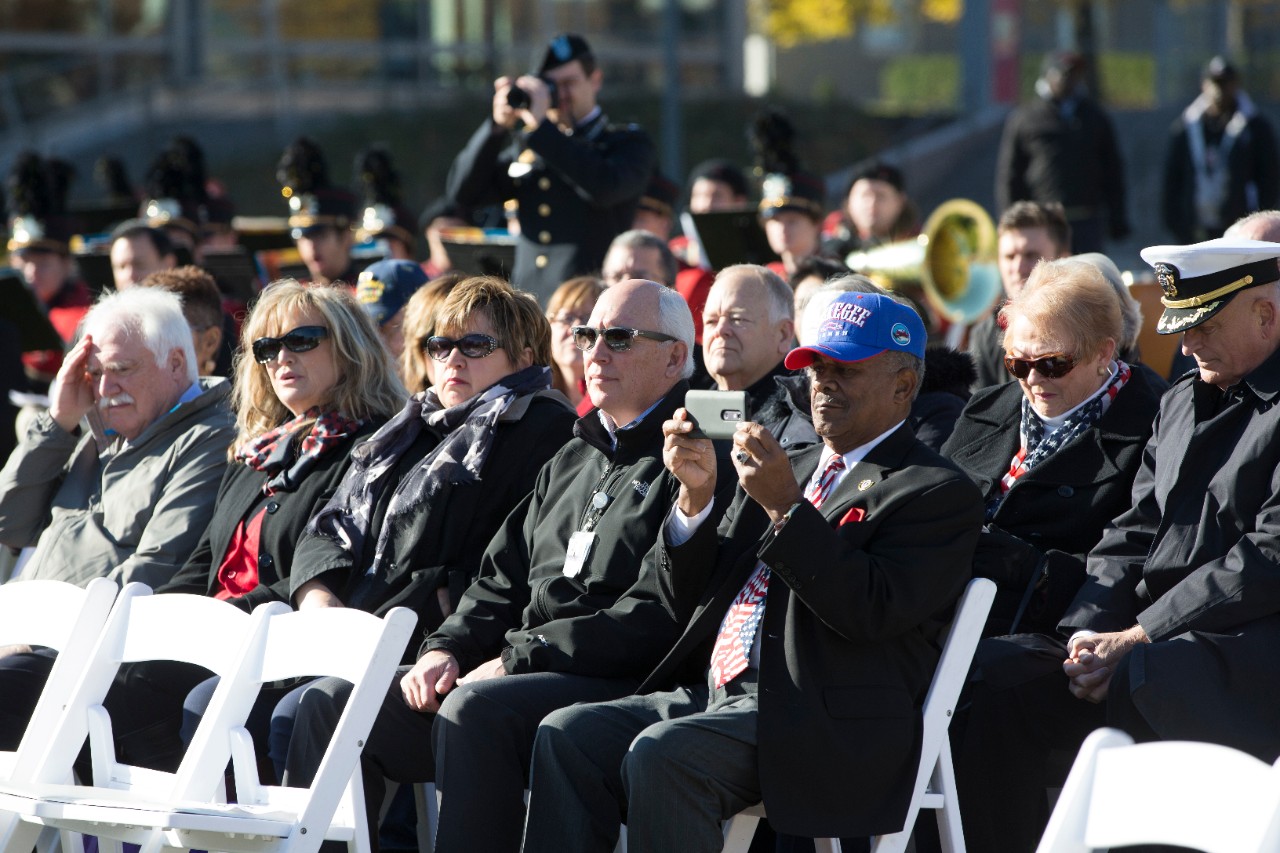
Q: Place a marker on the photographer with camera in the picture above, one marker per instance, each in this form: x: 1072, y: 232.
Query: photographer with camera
x: 575, y: 177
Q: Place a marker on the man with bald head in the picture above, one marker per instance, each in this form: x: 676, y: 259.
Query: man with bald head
x: 565, y: 609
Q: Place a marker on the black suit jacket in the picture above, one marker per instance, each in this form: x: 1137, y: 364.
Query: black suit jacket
x: 849, y: 641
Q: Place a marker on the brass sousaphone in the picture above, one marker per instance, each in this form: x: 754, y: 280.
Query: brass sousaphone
x: 953, y: 261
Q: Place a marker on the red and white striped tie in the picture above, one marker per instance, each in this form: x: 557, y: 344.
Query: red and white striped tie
x: 738, y: 630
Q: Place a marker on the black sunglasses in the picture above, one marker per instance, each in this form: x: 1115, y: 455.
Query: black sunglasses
x: 616, y: 338
x: 301, y: 339
x: 474, y: 345
x: 1053, y: 366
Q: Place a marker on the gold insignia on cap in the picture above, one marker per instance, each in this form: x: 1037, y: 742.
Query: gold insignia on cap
x: 1167, y: 276
x: 865, y: 484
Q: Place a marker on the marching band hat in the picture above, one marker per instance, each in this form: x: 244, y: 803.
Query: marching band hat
x: 562, y: 50
x: 858, y: 326
x: 660, y: 196
x: 1199, y: 280
x: 796, y: 191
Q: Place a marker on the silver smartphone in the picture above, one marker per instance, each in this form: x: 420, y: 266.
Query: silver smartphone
x: 716, y: 414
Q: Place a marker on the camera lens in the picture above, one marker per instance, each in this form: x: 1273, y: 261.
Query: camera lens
x: 517, y: 98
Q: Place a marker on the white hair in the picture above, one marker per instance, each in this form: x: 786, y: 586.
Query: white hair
x: 151, y: 314
x: 675, y: 319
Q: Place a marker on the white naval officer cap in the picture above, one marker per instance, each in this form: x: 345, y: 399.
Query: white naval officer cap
x: 1200, y: 279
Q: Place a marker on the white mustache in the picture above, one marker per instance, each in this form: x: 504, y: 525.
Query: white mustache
x: 117, y: 400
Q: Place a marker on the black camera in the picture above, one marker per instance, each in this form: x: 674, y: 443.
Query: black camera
x: 518, y: 99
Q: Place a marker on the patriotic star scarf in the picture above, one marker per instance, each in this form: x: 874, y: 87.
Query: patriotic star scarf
x: 1037, y: 445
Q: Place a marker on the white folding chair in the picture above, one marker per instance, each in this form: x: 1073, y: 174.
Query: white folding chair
x: 349, y: 644
x: 935, y: 786
x: 59, y: 616
x: 1197, y: 795
x: 189, y: 628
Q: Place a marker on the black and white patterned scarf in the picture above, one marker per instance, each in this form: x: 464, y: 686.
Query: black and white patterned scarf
x: 466, y: 430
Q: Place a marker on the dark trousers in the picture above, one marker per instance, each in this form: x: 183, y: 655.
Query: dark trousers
x: 671, y: 765
x: 145, y: 704
x: 1017, y: 728
x: 476, y: 749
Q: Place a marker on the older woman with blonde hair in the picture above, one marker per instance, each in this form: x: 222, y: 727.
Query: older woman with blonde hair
x: 571, y: 306
x: 311, y: 379
x: 1055, y: 452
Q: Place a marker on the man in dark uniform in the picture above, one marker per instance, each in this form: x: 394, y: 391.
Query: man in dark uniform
x: 575, y: 177
x: 1173, y: 635
x: 321, y: 216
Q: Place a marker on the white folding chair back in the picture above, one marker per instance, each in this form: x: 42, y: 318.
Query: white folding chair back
x: 935, y: 786
x: 342, y: 642
x: 176, y: 627
x: 1196, y: 795
x: 59, y: 616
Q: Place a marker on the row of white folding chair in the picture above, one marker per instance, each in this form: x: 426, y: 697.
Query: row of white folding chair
x: 59, y: 616
x: 935, y: 786
x: 1197, y: 795
x: 153, y: 809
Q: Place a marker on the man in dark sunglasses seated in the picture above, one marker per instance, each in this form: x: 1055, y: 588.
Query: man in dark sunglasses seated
x: 564, y: 609
x: 1173, y: 635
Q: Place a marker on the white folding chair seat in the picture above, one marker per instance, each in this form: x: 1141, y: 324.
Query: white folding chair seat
x: 1197, y: 795
x: 177, y: 627
x: 59, y: 616
x: 356, y: 646
x: 935, y: 786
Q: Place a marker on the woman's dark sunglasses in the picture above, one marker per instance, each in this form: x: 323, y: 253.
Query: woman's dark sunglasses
x: 1053, y: 366
x: 301, y: 339
x: 474, y: 345
x: 616, y: 338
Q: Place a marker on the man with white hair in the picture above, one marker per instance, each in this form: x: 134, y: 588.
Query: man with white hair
x: 117, y: 478
x: 747, y: 328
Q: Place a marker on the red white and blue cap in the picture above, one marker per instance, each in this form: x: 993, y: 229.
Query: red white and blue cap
x: 1200, y: 279
x: 858, y: 326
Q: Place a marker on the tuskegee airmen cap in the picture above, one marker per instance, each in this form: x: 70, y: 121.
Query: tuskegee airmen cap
x: 857, y: 326
x: 1200, y: 279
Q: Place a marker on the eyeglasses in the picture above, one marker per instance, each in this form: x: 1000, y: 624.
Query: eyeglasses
x: 565, y: 318
x: 1053, y: 366
x: 616, y: 338
x: 474, y: 345
x: 301, y: 339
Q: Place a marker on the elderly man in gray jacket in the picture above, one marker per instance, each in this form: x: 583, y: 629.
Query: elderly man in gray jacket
x: 118, y: 478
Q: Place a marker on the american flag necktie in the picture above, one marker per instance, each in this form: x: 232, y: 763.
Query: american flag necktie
x: 738, y: 630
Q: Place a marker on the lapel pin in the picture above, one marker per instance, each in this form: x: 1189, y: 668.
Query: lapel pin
x: 864, y: 485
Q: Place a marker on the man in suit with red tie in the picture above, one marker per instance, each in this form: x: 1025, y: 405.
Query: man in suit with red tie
x: 813, y: 621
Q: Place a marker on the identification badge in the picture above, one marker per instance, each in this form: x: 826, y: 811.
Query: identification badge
x: 579, y: 551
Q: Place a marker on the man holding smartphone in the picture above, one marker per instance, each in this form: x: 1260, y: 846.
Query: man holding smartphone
x: 575, y: 177
x: 813, y: 619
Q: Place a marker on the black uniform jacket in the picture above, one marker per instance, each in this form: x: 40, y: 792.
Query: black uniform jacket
x: 1196, y: 563
x: 607, y: 619
x: 287, y: 514
x: 859, y: 595
x: 1060, y: 507
x: 575, y: 192
x: 441, y: 545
